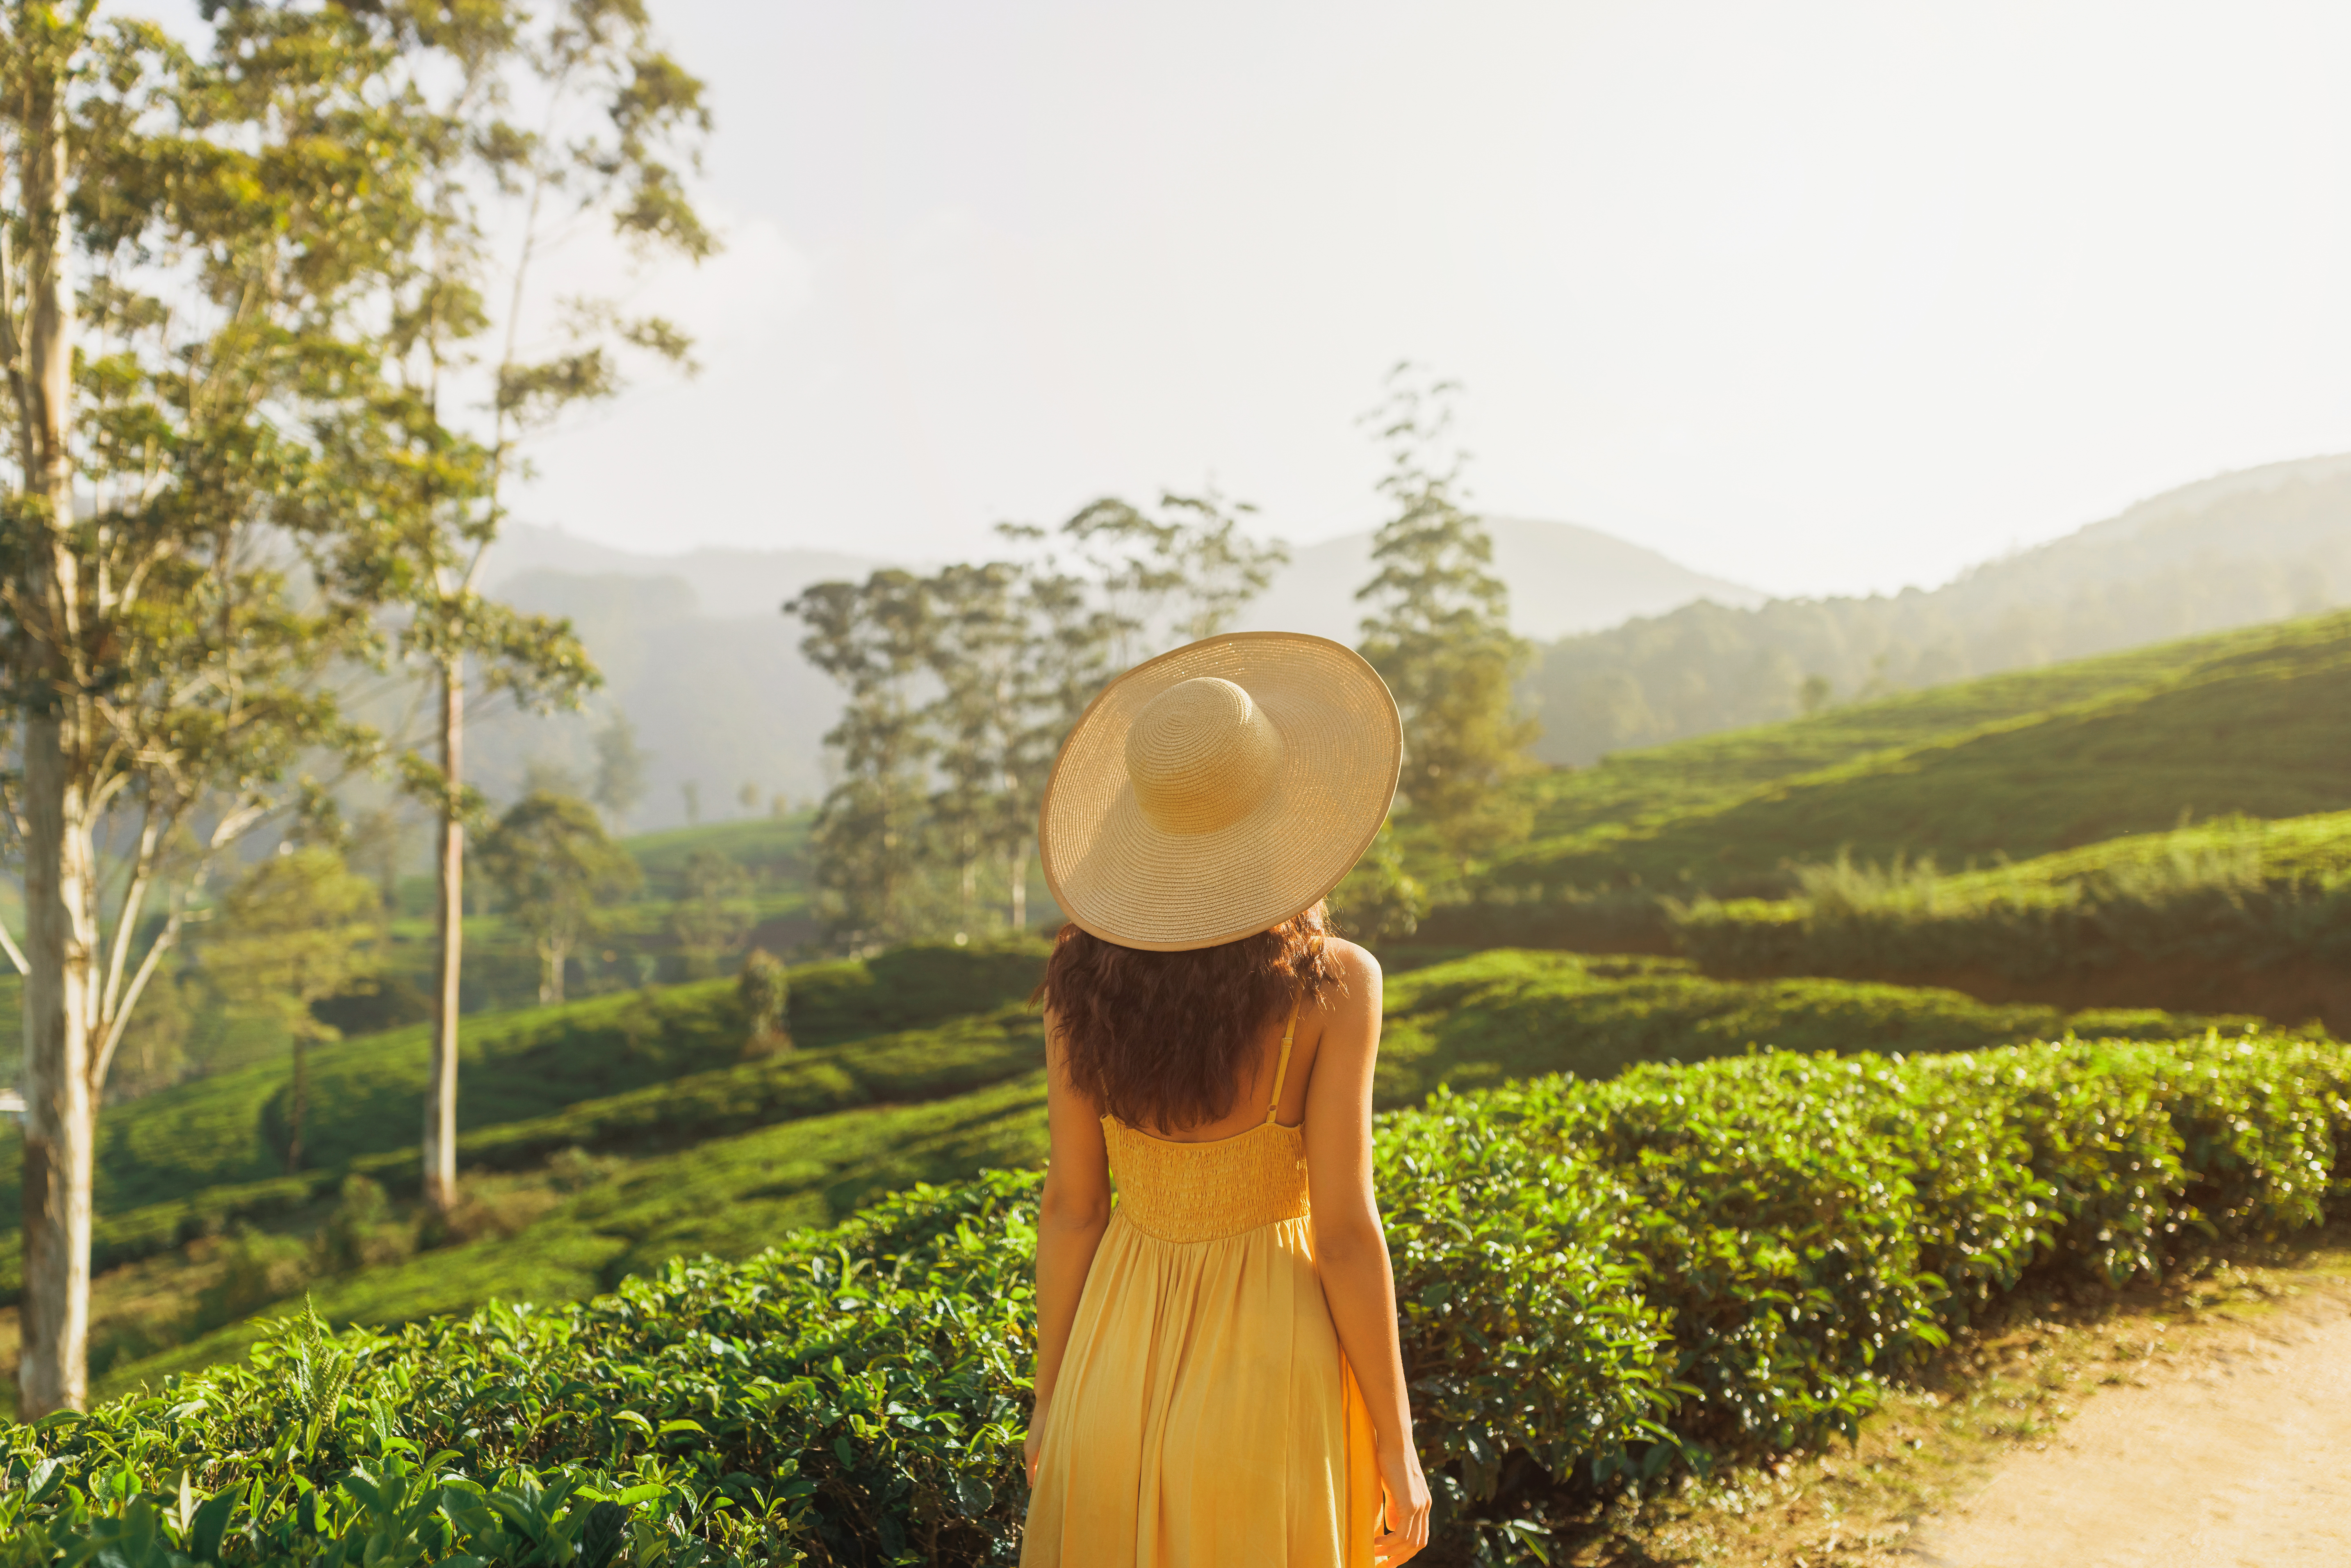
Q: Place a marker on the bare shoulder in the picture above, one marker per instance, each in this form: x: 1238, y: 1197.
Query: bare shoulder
x: 1355, y: 965
x: 1359, y: 980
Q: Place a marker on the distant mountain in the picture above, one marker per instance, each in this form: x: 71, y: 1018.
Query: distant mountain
x: 2259, y: 545
x: 725, y: 582
x: 1563, y: 578
x: 696, y: 651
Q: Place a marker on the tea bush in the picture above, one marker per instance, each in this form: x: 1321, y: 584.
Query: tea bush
x: 1598, y: 1283
x: 2235, y: 894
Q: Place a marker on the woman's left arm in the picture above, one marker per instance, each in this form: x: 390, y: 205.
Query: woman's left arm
x: 1070, y: 1220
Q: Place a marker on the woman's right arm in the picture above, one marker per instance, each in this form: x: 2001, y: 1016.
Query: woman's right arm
x: 1071, y: 1218
x: 1351, y: 1251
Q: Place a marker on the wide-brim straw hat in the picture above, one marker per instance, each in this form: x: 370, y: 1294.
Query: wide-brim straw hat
x: 1215, y: 791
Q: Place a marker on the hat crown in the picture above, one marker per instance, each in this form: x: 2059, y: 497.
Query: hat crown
x: 1201, y: 756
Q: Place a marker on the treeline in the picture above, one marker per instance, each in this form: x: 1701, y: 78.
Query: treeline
x: 960, y: 686
x: 2242, y: 558
x: 265, y: 426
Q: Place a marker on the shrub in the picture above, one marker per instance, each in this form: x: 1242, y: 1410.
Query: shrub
x: 361, y: 1231
x: 762, y: 989
x: 1598, y: 1283
x: 2235, y: 894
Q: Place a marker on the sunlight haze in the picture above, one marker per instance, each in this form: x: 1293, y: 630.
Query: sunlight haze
x: 1817, y: 297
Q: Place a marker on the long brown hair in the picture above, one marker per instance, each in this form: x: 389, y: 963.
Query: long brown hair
x: 1163, y: 1039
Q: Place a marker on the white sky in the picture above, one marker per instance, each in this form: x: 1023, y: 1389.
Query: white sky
x: 1820, y: 298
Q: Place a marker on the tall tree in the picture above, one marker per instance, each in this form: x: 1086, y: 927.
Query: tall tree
x: 296, y: 929
x: 979, y: 639
x: 1439, y: 630
x: 1175, y: 577
x: 554, y: 867
x: 875, y: 638
x: 615, y: 115
x: 221, y: 221
x: 714, y: 912
x: 620, y: 769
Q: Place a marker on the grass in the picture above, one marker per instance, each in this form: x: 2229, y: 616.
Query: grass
x: 2021, y: 765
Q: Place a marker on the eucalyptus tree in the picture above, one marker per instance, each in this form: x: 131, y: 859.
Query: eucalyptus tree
x: 555, y: 867
x: 1438, y: 631
x: 554, y: 124
x: 295, y: 929
x: 1173, y: 578
x: 978, y: 646
x: 187, y: 250
x: 875, y: 638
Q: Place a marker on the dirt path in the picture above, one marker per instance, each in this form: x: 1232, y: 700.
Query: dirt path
x: 2242, y: 1457
x: 2205, y: 1421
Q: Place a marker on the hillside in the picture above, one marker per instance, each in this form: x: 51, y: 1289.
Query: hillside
x: 657, y: 1143
x: 2237, y: 914
x: 2016, y: 765
x: 1689, y: 1273
x: 1563, y: 578
x: 2234, y: 551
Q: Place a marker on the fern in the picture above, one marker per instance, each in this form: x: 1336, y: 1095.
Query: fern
x: 320, y: 1374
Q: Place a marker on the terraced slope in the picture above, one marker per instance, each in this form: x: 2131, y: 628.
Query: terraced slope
x: 727, y: 1160
x: 210, y: 1152
x: 2018, y: 764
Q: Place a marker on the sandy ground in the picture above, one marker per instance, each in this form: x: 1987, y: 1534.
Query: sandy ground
x: 2242, y: 1457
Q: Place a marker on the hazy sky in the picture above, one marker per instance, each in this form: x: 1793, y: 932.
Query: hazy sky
x: 1821, y: 298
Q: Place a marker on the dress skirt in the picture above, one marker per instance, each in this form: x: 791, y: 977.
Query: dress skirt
x: 1205, y: 1417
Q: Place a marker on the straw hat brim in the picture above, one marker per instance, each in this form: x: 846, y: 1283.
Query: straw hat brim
x: 1126, y: 881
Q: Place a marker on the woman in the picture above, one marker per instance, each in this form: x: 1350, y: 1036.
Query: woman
x: 1218, y: 1383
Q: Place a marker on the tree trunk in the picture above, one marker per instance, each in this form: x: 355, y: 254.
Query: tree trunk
x: 60, y: 939
x: 60, y: 1109
x: 1020, y: 874
x: 300, y: 1103
x: 552, y: 956
x: 449, y: 914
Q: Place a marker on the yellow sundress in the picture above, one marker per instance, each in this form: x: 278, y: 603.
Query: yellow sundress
x: 1205, y: 1417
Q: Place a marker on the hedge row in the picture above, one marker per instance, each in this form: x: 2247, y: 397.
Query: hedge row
x: 2037, y: 934
x: 1599, y: 1282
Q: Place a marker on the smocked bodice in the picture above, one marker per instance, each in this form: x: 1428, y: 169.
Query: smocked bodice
x: 1199, y: 1192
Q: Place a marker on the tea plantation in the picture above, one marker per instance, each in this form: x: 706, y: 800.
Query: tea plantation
x: 2239, y: 894
x: 1601, y: 1283
x: 725, y: 1159
x: 2017, y: 765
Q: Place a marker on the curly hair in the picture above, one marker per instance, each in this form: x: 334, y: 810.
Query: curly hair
x: 1164, y: 1040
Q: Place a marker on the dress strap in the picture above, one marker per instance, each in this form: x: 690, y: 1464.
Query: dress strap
x: 1274, y: 1109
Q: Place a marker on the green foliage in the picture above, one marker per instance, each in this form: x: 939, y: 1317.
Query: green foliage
x: 620, y: 785
x: 2242, y: 551
x: 1505, y: 1015
x: 712, y: 912
x: 762, y: 989
x: 1601, y: 1284
x: 1380, y: 901
x: 294, y: 930
x: 2235, y: 896
x: 935, y: 809
x: 553, y: 865
x: 2019, y: 765
x: 194, y: 1159
x: 1439, y: 634
x: 873, y: 637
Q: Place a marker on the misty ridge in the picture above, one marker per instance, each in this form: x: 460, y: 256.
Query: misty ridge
x: 1630, y: 648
